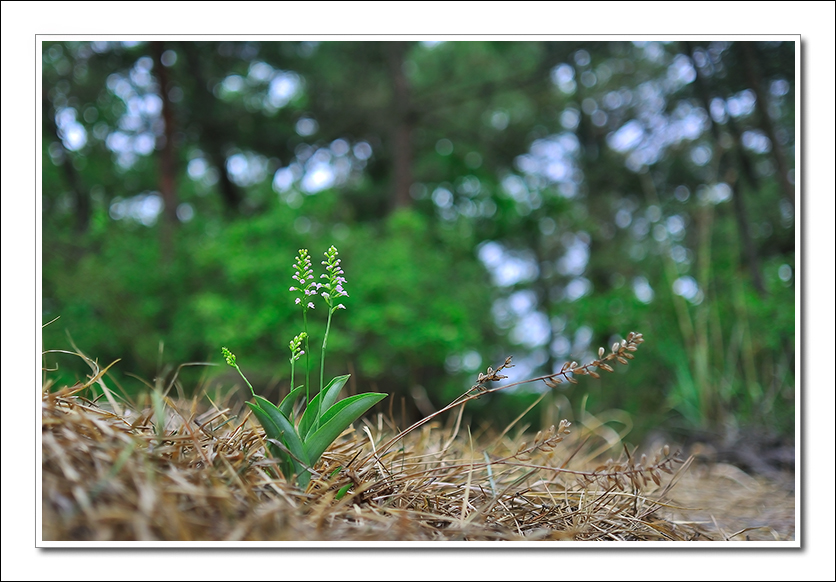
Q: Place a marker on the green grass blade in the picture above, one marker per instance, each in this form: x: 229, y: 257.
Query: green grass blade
x: 336, y: 419
x: 343, y: 490
x: 328, y: 397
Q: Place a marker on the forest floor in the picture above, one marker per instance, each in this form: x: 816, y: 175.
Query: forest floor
x: 729, y: 503
x: 202, y: 475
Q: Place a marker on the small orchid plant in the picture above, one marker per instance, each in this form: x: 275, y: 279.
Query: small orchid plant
x: 298, y: 443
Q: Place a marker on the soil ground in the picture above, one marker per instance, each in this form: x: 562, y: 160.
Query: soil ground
x: 728, y: 503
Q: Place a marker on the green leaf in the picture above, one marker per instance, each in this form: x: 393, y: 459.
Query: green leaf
x: 336, y: 419
x: 279, y: 428
x: 287, y: 403
x: 287, y: 432
x: 327, y: 396
x: 267, y: 423
x: 272, y: 431
x: 332, y: 390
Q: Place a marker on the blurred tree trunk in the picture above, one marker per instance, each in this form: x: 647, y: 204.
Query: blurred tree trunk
x: 166, y: 158
x: 742, y: 217
x: 167, y: 163
x: 750, y: 58
x: 214, y: 133
x: 401, y: 128
x: 750, y: 252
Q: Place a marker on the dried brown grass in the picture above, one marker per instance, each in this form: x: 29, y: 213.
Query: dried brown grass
x: 184, y: 470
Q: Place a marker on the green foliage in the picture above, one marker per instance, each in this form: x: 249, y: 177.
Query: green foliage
x: 514, y: 148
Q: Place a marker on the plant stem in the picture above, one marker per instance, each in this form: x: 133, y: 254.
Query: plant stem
x: 245, y: 379
x: 307, y: 361
x: 292, y: 370
x: 322, y: 362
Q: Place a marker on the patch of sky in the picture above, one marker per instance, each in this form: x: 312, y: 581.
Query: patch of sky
x: 787, y: 213
x: 714, y: 194
x: 499, y: 120
x: 756, y: 141
x: 72, y: 133
x: 688, y: 288
x: 525, y: 367
x: 144, y: 208
x: 623, y: 218
x: 141, y: 124
x: 676, y: 226
x: 701, y: 154
x: 741, y: 104
x: 644, y: 139
x: 561, y: 347
x: 317, y: 169
x: 570, y: 118
x: 469, y: 361
x: 779, y: 87
x: 362, y: 151
x: 680, y: 73
x: 320, y: 174
x: 785, y: 273
x: 547, y: 225
x: 680, y: 254
x: 306, y: 126
x: 577, y: 288
x: 682, y: 193
x: 574, y: 260
x: 583, y: 336
x: 168, y: 58
x: 660, y: 234
x: 185, y: 212
x: 642, y: 289
x: 283, y: 88
x: 522, y: 302
x: 718, y: 111
x: 442, y: 197
x: 247, y: 168
x: 641, y: 227
x: 532, y: 330
x: 507, y: 268
x: 469, y: 186
x: 197, y: 168
x: 563, y: 76
x: 653, y: 51
x: 551, y: 160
